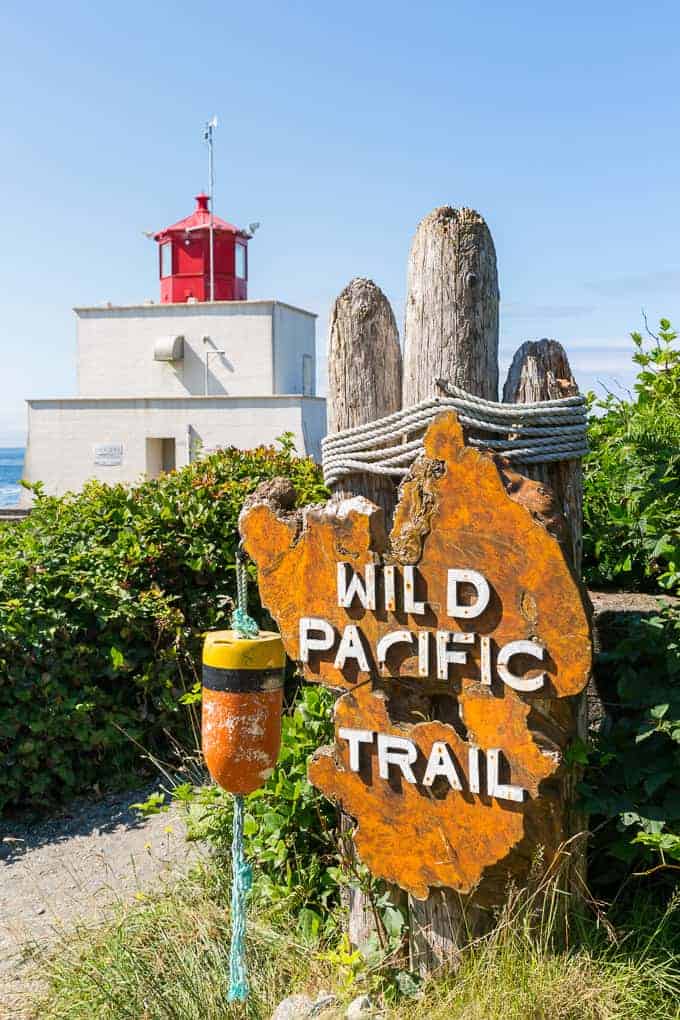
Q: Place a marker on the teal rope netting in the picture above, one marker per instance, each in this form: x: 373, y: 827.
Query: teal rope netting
x: 242, y: 880
x: 240, y: 620
x: 242, y: 873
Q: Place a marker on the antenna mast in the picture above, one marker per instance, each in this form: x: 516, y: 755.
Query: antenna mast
x: 208, y: 137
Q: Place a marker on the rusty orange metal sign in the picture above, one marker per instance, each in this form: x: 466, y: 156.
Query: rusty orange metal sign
x: 458, y: 644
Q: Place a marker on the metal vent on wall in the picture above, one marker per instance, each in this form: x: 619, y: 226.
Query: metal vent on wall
x: 169, y: 348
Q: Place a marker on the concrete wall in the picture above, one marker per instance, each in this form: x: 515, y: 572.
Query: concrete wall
x: 263, y: 342
x: 67, y: 436
x: 294, y: 337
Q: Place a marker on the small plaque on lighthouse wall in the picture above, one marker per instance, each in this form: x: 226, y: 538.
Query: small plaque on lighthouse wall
x: 108, y: 454
x: 457, y: 647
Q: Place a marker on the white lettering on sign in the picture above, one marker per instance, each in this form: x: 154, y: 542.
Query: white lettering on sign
x: 108, y: 454
x: 317, y: 635
x: 354, y: 738
x: 445, y: 655
x: 423, y: 653
x: 397, y: 751
x: 363, y: 589
x: 351, y: 647
x: 441, y: 763
x: 395, y: 637
x: 410, y: 603
x: 494, y: 788
x: 351, y: 586
x: 401, y: 754
x: 390, y: 589
x: 483, y: 594
x: 485, y: 659
x: 309, y: 624
x: 517, y: 683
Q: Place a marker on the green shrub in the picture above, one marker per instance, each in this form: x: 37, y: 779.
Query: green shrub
x: 631, y: 786
x: 632, y: 539
x: 103, y: 597
x: 632, y: 475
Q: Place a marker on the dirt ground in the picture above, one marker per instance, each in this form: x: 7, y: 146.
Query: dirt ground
x: 77, y: 866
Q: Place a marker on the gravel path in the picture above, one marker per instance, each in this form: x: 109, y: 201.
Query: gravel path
x: 73, y: 867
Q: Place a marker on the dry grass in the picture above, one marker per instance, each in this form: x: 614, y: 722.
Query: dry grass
x: 167, y: 959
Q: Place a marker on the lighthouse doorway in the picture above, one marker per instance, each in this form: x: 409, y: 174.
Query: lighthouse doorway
x: 161, y: 456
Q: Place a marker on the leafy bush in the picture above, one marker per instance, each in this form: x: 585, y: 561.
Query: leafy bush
x: 632, y: 784
x: 103, y: 597
x: 632, y: 538
x: 632, y: 475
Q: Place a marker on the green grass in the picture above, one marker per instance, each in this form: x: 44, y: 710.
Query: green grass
x: 517, y: 975
x: 166, y: 958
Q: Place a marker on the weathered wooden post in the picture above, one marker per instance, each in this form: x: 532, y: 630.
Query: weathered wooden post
x: 540, y: 371
x: 364, y: 377
x: 461, y: 643
x: 451, y: 332
x: 364, y: 384
x: 451, y: 328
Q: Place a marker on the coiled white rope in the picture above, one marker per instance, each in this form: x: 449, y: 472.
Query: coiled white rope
x: 536, y: 433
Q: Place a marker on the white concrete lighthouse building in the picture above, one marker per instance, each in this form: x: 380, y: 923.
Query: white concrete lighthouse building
x: 158, y: 383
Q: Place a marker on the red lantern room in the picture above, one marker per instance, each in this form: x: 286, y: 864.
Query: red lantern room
x: 184, y: 258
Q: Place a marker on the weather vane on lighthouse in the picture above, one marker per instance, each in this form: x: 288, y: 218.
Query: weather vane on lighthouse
x: 208, y: 137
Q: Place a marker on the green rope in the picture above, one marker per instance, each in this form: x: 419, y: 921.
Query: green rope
x: 242, y: 881
x: 240, y: 621
x: 242, y: 875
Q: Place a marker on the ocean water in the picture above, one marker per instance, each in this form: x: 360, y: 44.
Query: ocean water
x: 11, y: 468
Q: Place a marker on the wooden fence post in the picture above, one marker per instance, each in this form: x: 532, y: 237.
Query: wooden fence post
x: 540, y: 370
x: 451, y: 328
x: 364, y: 377
x: 451, y: 332
x: 364, y: 384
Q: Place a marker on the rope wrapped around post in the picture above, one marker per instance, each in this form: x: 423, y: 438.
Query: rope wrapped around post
x: 541, y: 432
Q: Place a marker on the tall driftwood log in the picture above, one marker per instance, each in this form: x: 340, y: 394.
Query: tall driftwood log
x: 364, y: 377
x: 540, y: 371
x: 451, y: 328
x: 364, y: 384
x: 451, y: 331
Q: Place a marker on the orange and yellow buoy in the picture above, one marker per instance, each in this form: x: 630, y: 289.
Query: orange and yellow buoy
x: 242, y: 703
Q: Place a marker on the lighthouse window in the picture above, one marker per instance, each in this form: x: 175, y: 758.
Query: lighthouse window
x: 166, y: 259
x: 241, y: 261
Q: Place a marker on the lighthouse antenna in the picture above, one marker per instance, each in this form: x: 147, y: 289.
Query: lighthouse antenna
x: 208, y: 137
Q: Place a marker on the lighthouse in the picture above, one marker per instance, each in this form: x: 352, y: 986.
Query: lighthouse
x: 184, y: 258
x: 163, y: 383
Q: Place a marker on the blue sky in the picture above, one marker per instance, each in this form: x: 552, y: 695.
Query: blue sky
x: 340, y: 127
